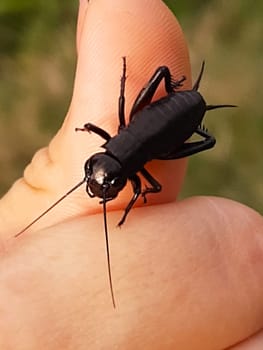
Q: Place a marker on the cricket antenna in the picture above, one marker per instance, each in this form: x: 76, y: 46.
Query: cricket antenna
x: 197, y: 83
x: 51, y: 207
x: 104, y: 200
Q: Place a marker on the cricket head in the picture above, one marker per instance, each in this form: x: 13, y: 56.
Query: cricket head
x: 104, y: 176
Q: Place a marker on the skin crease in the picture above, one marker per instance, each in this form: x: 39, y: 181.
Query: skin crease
x: 187, y: 275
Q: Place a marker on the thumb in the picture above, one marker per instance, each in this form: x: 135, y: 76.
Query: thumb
x: 106, y: 33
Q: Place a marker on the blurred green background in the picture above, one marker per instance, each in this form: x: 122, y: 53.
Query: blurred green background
x: 37, y: 61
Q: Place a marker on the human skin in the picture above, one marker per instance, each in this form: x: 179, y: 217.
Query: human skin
x: 186, y: 275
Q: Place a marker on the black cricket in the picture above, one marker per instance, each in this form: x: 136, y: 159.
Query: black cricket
x: 156, y: 130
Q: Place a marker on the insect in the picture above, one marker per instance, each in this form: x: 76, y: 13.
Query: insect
x: 156, y: 130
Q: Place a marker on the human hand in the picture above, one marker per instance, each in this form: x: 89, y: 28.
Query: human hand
x: 187, y: 275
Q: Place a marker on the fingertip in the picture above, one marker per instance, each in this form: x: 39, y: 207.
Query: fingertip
x: 111, y: 32
x: 148, y: 35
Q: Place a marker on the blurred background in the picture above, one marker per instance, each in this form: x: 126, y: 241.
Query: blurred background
x: 37, y: 62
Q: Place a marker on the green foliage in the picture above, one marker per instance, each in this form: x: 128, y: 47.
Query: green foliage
x: 37, y: 61
x: 26, y: 24
x: 8, y: 7
x: 187, y: 8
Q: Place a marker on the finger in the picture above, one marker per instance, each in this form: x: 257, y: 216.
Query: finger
x: 200, y: 276
x: 123, y: 33
x: 189, y: 278
x: 83, y: 6
x: 254, y: 342
x: 146, y: 44
x: 108, y: 33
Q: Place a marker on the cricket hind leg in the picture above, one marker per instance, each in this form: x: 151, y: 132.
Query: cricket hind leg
x: 190, y: 148
x: 146, y: 94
